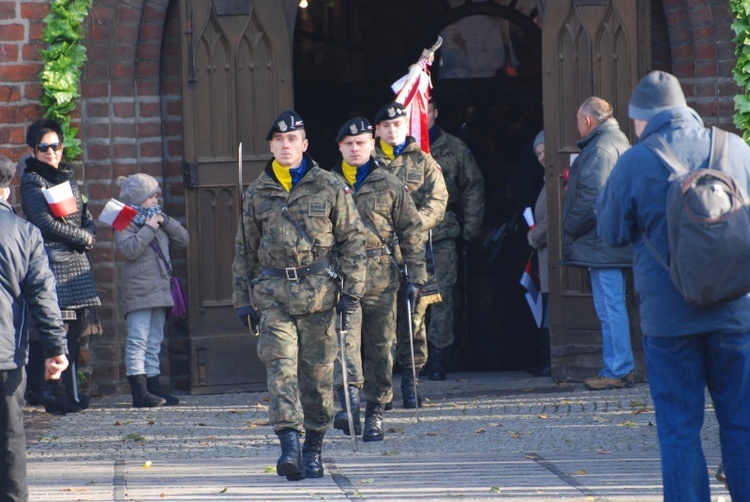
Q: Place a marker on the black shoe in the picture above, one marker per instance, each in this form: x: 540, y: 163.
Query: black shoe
x: 436, y: 362
x: 290, y: 462
x: 388, y: 406
x: 341, y: 420
x: 35, y: 398
x: 142, y: 398
x: 373, y: 422
x: 311, y: 454
x: 56, y: 401
x: 154, y: 387
x: 410, y: 391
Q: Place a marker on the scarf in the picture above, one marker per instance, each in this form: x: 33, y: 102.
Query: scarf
x: 145, y: 213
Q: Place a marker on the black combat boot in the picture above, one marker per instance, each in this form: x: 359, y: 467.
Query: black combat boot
x: 290, y: 462
x: 409, y: 390
x: 311, y: 453
x: 373, y: 422
x: 141, y: 397
x: 436, y: 363
x: 154, y: 387
x: 341, y: 420
x: 56, y: 401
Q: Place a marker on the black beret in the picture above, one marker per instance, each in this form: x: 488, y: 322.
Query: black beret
x: 390, y: 111
x: 354, y: 127
x: 288, y: 121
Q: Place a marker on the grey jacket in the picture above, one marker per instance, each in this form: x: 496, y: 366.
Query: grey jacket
x: 582, y: 245
x: 27, y: 292
x: 144, y: 279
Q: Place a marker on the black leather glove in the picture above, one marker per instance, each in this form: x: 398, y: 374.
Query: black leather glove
x: 248, y: 312
x: 347, y: 306
x: 412, y: 295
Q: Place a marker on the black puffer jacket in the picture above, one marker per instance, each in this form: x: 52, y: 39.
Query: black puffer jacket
x: 25, y: 283
x: 66, y: 241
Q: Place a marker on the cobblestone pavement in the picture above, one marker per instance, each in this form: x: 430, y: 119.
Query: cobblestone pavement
x: 479, y: 435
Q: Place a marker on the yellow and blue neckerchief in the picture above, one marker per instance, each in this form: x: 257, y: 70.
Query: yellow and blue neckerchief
x: 355, y: 176
x: 288, y: 177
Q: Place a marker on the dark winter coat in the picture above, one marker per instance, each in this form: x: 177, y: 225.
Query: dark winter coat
x: 65, y: 240
x: 144, y: 279
x: 582, y: 246
x: 27, y: 292
x: 633, y: 203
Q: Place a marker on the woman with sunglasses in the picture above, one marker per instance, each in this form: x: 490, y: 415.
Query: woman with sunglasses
x: 66, y: 240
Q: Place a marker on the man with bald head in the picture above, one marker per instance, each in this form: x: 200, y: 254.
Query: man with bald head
x: 602, y: 142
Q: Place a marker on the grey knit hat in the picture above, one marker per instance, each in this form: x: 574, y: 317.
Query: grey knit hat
x: 656, y: 92
x: 539, y: 139
x: 136, y: 188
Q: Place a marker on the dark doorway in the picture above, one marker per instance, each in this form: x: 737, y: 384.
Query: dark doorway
x: 487, y: 80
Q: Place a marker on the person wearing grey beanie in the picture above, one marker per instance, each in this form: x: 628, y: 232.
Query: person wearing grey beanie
x: 687, y: 348
x: 145, y: 289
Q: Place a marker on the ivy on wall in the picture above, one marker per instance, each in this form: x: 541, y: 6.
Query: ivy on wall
x: 741, y: 27
x: 63, y: 59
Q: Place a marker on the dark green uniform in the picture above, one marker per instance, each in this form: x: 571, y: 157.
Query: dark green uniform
x: 427, y: 187
x: 388, y: 212
x: 296, y: 329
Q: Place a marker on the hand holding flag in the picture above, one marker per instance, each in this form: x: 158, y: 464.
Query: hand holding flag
x: 117, y: 214
x: 528, y: 215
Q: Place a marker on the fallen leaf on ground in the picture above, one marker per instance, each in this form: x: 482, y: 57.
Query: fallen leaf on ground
x: 367, y: 481
x: 270, y: 468
x: 481, y: 430
x: 580, y: 472
x: 225, y: 490
x: 146, y: 464
x: 543, y: 415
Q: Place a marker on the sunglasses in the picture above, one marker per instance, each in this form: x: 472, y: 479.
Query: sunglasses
x: 43, y: 147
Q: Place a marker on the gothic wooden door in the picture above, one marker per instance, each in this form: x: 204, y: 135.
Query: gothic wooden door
x: 590, y: 47
x: 237, y: 76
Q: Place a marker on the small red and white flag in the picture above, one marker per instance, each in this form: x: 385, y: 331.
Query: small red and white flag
x: 60, y: 199
x: 117, y: 215
x: 530, y: 282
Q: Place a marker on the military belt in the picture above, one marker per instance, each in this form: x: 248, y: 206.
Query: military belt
x: 294, y: 273
x: 378, y: 252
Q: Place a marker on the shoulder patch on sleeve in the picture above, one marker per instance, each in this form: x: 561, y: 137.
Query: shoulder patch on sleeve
x: 406, y: 187
x: 346, y: 188
x: 439, y: 167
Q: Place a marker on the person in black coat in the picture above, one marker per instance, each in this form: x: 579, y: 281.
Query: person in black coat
x: 66, y: 240
x: 27, y: 294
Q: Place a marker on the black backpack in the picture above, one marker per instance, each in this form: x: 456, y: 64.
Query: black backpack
x: 708, y: 225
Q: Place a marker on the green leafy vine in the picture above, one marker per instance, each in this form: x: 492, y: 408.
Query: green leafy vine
x: 63, y: 59
x: 741, y: 11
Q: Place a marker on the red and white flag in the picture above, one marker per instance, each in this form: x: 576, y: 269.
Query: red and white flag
x: 530, y: 282
x: 117, y: 215
x: 413, y: 91
x: 60, y: 199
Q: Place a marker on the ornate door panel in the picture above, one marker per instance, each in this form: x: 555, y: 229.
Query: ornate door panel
x: 237, y: 76
x: 590, y: 47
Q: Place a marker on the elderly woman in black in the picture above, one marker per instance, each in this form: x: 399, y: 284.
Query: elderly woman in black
x: 66, y: 239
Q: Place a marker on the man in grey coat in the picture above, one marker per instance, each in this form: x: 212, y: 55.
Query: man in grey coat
x: 602, y: 142
x: 27, y: 295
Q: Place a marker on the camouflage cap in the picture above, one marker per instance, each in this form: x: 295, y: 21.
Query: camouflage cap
x: 287, y: 121
x: 354, y: 127
x: 390, y: 111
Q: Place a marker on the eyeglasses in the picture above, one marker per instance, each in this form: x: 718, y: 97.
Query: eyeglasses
x: 43, y: 147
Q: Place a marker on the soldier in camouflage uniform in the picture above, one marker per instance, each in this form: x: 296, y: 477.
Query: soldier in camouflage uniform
x: 401, y: 155
x: 293, y: 216
x: 389, y: 215
x: 466, y: 202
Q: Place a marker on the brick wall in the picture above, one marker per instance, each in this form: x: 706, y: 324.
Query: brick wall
x: 700, y: 39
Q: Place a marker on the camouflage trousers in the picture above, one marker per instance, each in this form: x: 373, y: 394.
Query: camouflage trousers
x: 374, y: 325
x: 440, y: 324
x: 298, y: 351
x: 403, y: 351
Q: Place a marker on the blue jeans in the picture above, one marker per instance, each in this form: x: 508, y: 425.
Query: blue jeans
x: 679, y: 369
x: 145, y: 334
x: 608, y: 290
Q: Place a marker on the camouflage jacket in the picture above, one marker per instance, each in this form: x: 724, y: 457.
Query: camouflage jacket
x: 420, y: 171
x: 465, y: 187
x: 384, y: 203
x: 324, y: 208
